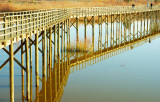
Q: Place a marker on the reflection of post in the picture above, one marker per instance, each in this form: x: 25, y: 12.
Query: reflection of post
x: 11, y: 71
x: 22, y: 88
x: 27, y: 70
x: 36, y: 59
x: 50, y: 85
x: 44, y: 88
x: 37, y: 93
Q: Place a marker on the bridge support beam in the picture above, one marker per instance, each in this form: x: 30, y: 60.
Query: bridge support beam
x: 58, y: 54
x: 27, y: 70
x: 50, y: 50
x: 11, y: 71
x: 93, y: 32
x: 36, y: 59
x: 44, y: 52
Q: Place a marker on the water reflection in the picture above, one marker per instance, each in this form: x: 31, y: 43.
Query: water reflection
x: 53, y: 85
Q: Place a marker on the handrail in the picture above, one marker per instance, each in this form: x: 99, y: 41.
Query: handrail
x: 17, y: 23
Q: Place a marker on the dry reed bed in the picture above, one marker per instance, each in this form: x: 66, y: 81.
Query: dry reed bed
x: 10, y: 7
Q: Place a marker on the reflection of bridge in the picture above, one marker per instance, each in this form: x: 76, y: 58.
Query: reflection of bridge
x: 123, y: 26
x: 53, y: 88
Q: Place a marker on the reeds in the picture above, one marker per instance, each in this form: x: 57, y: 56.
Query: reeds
x: 81, y: 47
x: 22, y: 6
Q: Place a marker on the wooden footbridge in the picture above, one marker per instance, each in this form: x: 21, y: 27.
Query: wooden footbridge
x: 51, y: 29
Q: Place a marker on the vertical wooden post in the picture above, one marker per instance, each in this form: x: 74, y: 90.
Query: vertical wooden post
x: 77, y: 40
x: 93, y: 23
x: 58, y: 53
x: 67, y: 43
x: 22, y: 61
x: 141, y: 27
x: 144, y: 20
x: 11, y: 71
x: 133, y: 26
x: 111, y: 33
x: 44, y: 52
x: 22, y: 71
x: 137, y: 25
x: 50, y: 48
x: 64, y: 50
x: 147, y: 22
x: 36, y: 59
x: 116, y: 29
x: 99, y: 33
x: 69, y: 39
x: 85, y: 31
x: 27, y: 70
x: 55, y: 44
x: 30, y: 69
x: 62, y: 44
x: 129, y: 38
x: 77, y: 31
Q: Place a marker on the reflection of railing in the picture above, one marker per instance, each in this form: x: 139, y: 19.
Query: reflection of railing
x: 55, y: 89
x: 13, y: 24
x: 108, y: 52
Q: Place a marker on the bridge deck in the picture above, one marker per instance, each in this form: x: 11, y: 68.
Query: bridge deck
x: 15, y: 25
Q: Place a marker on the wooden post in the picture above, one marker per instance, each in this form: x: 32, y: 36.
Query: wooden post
x: 111, y: 33
x: 141, y: 27
x: 11, y: 71
x: 58, y: 53
x: 69, y: 39
x: 55, y: 44
x: 27, y: 70
x: 30, y: 70
x: 93, y: 23
x: 22, y: 61
x: 44, y: 53
x: 50, y: 48
x: 36, y: 59
x: 77, y: 31
x: 62, y: 44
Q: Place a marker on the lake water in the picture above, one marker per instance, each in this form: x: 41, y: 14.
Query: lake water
x: 132, y: 76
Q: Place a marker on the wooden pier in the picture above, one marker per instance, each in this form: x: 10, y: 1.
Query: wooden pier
x: 51, y: 29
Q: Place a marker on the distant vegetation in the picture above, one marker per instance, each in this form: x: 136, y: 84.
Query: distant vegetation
x: 21, y: 5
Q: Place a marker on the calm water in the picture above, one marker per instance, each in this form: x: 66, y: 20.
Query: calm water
x: 132, y: 76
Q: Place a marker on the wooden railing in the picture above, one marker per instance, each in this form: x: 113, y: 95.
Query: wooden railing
x: 13, y: 24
